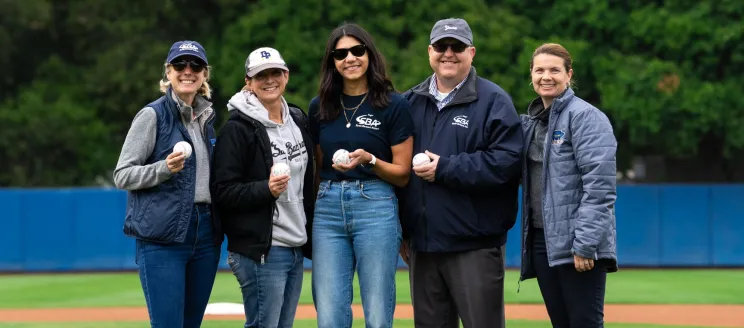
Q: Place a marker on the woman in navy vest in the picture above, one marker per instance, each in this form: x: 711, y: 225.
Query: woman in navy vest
x: 169, y: 202
x: 356, y: 224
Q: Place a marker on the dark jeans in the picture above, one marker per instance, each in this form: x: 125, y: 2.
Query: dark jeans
x: 270, y: 290
x: 177, y: 278
x: 573, y: 299
x: 466, y: 285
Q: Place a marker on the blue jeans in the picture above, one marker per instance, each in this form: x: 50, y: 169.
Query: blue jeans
x: 177, y: 278
x: 355, y: 226
x: 270, y: 290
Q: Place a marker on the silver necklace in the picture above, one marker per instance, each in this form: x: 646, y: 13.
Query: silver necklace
x: 348, y: 121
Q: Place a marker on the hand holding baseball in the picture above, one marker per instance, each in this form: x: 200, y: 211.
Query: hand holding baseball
x: 175, y: 161
x: 427, y: 171
x: 278, y: 184
x: 356, y: 158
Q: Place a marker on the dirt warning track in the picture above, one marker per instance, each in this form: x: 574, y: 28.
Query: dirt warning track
x: 698, y: 315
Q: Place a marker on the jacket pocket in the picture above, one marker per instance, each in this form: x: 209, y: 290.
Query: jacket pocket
x: 160, y: 219
x: 455, y: 213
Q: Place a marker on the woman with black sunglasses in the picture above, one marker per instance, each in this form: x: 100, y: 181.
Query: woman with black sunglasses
x: 165, y: 166
x: 356, y: 222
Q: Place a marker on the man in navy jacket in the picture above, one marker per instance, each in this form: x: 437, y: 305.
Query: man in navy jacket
x: 456, y: 210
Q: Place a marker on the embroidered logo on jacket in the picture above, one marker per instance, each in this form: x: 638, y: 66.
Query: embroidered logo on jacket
x: 461, y: 120
x: 368, y: 121
x: 558, y: 137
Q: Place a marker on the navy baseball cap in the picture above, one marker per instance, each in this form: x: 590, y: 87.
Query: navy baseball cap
x: 187, y: 48
x: 452, y: 28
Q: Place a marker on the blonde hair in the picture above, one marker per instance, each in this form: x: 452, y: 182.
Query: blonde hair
x: 205, y: 90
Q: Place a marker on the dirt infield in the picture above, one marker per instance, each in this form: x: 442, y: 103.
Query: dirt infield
x: 699, y: 315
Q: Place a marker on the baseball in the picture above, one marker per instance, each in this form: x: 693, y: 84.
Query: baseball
x: 280, y: 169
x: 341, y: 156
x: 183, y: 147
x: 421, y: 159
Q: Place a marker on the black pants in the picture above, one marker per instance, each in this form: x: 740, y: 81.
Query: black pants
x: 573, y: 299
x: 465, y: 285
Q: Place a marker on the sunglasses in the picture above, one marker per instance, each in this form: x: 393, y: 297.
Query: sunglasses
x: 456, y: 47
x: 341, y: 53
x: 196, y: 66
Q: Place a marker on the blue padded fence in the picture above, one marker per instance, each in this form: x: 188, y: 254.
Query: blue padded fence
x: 657, y: 226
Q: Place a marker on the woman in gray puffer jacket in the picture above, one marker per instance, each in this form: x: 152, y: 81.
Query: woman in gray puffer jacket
x: 569, y: 192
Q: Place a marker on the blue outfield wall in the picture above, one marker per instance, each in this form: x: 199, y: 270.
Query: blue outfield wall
x: 657, y: 226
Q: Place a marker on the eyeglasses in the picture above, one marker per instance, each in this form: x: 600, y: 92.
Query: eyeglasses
x: 456, y: 47
x: 341, y: 53
x: 196, y: 66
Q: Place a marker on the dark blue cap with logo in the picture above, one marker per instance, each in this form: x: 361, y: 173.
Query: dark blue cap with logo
x: 452, y: 28
x: 187, y: 48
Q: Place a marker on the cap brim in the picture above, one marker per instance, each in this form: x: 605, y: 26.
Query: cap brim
x: 252, y: 72
x: 194, y: 54
x: 460, y: 38
x: 197, y: 55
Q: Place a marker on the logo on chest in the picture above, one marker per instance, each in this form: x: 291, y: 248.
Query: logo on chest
x: 461, y: 120
x: 290, y: 151
x: 368, y: 121
x: 558, y: 137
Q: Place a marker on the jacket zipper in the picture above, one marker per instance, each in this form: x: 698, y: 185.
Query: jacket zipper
x: 273, y: 208
x: 210, y: 150
x: 423, y: 185
x: 526, y: 217
x: 552, y: 120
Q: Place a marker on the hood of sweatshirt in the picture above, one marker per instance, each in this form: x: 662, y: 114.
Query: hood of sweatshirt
x: 287, y: 146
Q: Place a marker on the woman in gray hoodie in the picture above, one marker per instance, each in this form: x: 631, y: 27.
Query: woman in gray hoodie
x: 263, y: 171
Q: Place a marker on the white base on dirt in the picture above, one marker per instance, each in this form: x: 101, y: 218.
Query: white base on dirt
x: 225, y: 309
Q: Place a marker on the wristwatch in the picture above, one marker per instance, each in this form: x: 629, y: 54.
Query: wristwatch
x: 373, y: 161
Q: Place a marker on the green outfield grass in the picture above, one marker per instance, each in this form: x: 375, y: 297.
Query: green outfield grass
x: 298, y: 324
x: 123, y: 289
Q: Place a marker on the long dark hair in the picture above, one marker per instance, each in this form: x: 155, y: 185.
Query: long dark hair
x: 331, y: 83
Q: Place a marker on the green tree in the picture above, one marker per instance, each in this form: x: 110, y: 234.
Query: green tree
x: 667, y: 74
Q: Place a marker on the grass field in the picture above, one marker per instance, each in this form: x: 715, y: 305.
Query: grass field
x: 123, y: 289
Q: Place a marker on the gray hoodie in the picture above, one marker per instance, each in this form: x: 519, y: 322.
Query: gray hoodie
x: 287, y: 146
x: 131, y: 173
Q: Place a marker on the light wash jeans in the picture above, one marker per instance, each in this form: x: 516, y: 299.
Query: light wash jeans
x: 355, y: 227
x: 271, y: 290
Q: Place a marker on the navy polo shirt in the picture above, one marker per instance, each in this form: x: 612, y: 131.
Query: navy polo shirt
x: 374, y: 130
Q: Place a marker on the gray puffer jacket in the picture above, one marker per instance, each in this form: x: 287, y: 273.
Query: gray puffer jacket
x: 579, y: 184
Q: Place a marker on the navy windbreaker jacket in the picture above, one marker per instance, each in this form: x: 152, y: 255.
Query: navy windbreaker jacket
x: 473, y: 201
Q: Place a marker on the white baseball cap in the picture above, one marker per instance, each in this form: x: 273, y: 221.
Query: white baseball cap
x: 264, y: 58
